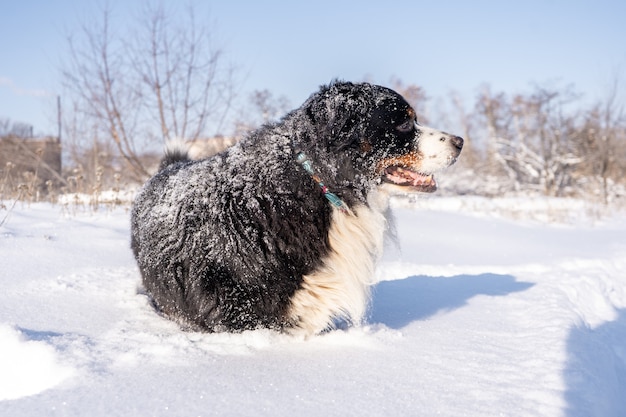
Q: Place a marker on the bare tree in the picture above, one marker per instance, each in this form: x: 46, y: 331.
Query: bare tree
x: 141, y: 88
x: 544, y: 152
x: 493, y: 115
x: 262, y: 107
x: 469, y: 173
x: 15, y: 129
x: 5, y: 124
x: 182, y: 74
x: 605, y: 142
x: 532, y: 139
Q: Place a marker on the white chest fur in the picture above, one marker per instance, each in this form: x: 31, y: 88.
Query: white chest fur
x: 341, y: 287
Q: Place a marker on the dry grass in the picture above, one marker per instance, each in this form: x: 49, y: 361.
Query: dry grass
x: 79, y: 191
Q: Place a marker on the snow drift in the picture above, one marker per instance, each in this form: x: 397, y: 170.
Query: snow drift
x: 475, y: 315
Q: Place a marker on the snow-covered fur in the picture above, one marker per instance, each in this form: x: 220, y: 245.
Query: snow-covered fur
x: 248, y: 238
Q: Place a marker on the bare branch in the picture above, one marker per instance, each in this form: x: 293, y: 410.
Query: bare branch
x: 160, y: 75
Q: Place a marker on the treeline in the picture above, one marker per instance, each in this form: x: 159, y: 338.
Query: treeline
x: 129, y: 90
x: 549, y: 141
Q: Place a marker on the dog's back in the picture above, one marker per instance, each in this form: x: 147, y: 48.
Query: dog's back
x: 218, y: 250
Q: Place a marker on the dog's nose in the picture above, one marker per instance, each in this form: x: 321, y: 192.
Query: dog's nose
x: 457, y: 141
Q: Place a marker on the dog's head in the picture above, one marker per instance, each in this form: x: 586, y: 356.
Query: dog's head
x: 406, y: 154
x: 372, y: 131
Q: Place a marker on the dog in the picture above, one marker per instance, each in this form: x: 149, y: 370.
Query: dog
x: 283, y: 229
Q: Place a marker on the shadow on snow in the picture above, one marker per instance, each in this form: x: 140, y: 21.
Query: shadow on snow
x: 595, y: 373
x: 39, y: 335
x: 400, y: 302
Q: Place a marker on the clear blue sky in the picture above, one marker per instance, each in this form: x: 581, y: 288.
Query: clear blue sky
x: 291, y: 47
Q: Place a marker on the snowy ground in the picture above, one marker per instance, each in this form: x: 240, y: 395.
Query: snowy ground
x: 475, y: 316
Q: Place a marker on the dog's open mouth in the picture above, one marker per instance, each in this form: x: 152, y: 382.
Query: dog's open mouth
x: 405, y: 177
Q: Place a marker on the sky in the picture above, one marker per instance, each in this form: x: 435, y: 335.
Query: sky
x: 291, y: 48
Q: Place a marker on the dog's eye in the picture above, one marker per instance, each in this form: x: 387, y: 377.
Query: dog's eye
x: 406, y: 126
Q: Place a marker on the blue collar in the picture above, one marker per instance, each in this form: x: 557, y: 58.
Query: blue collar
x: 337, y: 202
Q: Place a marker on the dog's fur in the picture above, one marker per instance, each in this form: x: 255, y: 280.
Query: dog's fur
x: 247, y: 239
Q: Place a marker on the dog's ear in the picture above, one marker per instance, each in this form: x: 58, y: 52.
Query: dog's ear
x: 340, y: 112
x: 345, y: 131
x: 349, y: 109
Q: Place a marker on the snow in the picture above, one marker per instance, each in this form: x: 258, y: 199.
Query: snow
x: 476, y: 314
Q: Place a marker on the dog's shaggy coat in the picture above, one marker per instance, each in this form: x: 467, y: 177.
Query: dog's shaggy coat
x: 249, y: 238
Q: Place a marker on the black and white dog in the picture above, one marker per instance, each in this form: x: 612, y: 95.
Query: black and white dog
x: 283, y: 229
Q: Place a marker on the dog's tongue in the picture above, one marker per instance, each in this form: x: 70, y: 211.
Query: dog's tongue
x: 407, y: 178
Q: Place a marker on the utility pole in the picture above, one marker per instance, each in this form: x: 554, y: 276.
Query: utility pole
x: 59, y: 119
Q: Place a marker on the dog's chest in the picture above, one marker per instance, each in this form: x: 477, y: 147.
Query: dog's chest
x: 340, y: 287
